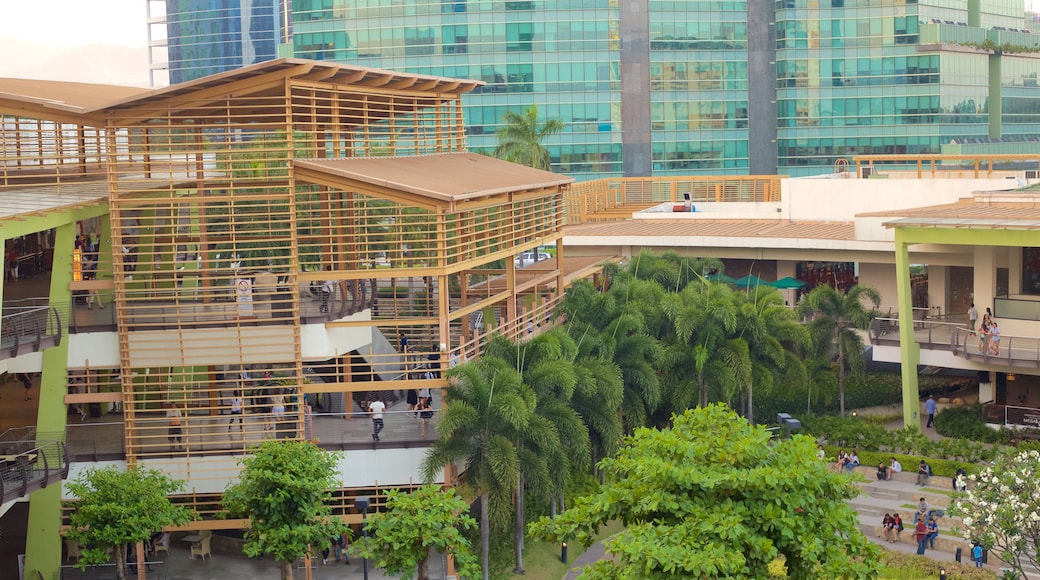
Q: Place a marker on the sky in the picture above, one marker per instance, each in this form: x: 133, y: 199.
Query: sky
x: 81, y: 40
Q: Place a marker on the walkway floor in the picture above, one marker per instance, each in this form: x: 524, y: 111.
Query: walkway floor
x: 179, y: 566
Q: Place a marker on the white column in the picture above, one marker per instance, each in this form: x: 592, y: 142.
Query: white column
x: 985, y: 283
x: 938, y: 283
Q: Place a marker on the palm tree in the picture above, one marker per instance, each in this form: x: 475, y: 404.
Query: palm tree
x: 772, y: 334
x: 555, y: 442
x: 521, y: 136
x: 704, y: 321
x: 838, y: 315
x: 486, y: 404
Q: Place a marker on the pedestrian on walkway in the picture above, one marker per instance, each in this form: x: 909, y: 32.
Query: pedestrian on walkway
x: 425, y: 414
x: 173, y: 421
x: 994, y: 338
x: 921, y: 535
x: 973, y: 317
x: 929, y: 407
x: 976, y: 554
x: 376, y: 408
x: 27, y: 382
x: 236, y: 412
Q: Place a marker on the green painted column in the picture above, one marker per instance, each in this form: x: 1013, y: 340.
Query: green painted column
x: 43, y: 540
x: 910, y: 351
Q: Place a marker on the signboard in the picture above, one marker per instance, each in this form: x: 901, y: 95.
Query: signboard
x: 244, y: 296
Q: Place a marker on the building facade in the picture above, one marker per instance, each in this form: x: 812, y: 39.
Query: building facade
x: 660, y: 87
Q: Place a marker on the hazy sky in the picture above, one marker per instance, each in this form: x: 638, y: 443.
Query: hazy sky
x: 75, y: 22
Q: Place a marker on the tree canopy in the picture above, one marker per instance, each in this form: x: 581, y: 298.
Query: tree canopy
x: 284, y: 488
x: 714, y: 497
x: 1001, y: 510
x: 401, y: 539
x: 120, y: 508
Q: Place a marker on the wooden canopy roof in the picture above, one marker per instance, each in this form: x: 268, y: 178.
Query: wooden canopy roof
x: 88, y: 104
x: 433, y: 180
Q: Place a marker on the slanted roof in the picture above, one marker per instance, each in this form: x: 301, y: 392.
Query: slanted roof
x: 40, y: 200
x: 65, y: 96
x: 447, y: 178
x: 996, y: 210
x: 715, y: 228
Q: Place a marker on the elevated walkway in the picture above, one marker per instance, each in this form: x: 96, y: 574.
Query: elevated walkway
x: 29, y: 325
x: 1016, y: 352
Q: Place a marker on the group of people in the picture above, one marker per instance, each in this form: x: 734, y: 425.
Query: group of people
x: 884, y: 472
x: 848, y: 461
x: 988, y: 331
x: 420, y: 405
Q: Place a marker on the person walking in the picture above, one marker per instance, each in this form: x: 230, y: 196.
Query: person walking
x: 973, y: 318
x: 236, y: 412
x: 994, y: 338
x: 929, y: 407
x: 376, y: 408
x: 326, y: 292
x: 27, y: 382
x: 976, y: 554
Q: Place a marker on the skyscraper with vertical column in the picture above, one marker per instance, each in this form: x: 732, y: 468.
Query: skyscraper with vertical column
x: 666, y: 87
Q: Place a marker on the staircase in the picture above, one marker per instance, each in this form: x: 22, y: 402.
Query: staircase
x: 900, y: 495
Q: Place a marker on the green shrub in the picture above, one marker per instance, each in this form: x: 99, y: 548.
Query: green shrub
x: 896, y: 565
x: 967, y: 423
x: 392, y: 292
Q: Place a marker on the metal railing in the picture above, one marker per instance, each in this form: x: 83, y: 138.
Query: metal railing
x: 1013, y: 351
x: 29, y: 325
x: 932, y: 334
x: 28, y: 464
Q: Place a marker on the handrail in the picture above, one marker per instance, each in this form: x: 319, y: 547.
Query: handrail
x: 26, y: 329
x: 41, y: 464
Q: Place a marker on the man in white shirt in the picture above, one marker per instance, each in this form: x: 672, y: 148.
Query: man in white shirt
x: 376, y: 408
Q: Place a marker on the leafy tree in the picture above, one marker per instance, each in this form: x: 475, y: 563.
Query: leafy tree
x: 429, y: 520
x: 486, y: 404
x: 284, y: 489
x: 837, y: 317
x: 521, y: 137
x: 121, y: 508
x: 1002, y: 509
x: 713, y: 497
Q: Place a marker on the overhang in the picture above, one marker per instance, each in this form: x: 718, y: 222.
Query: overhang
x: 1013, y: 210
x: 444, y: 179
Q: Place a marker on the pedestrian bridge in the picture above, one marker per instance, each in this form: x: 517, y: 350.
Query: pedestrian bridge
x: 939, y: 337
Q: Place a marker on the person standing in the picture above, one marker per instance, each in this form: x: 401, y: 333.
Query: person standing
x: 308, y: 420
x: 376, y: 408
x: 921, y: 535
x: 425, y: 414
x: 976, y: 554
x: 973, y: 318
x: 326, y: 292
x: 173, y: 422
x: 929, y: 407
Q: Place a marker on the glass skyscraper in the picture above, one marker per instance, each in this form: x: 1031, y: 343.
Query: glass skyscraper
x: 205, y: 37
x: 687, y: 87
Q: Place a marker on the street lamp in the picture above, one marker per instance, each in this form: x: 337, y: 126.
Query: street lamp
x: 361, y: 504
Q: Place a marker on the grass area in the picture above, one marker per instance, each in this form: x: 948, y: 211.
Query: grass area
x: 542, y: 560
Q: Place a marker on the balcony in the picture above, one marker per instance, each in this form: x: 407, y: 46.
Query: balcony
x: 29, y: 325
x: 28, y: 464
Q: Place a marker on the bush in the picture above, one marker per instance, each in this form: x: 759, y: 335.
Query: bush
x: 392, y: 292
x: 967, y: 423
x: 897, y: 565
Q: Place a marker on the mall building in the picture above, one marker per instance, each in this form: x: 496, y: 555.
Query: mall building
x: 662, y: 87
x: 305, y: 238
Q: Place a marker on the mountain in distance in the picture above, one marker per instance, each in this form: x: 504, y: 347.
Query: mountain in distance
x: 96, y: 63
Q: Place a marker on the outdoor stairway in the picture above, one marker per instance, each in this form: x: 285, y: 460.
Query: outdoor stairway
x: 900, y: 495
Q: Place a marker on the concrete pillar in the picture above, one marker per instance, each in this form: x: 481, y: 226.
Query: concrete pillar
x: 938, y: 289
x: 985, y: 284
x: 910, y: 351
x: 43, y: 541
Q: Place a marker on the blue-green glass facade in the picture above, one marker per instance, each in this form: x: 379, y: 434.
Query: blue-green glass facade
x: 704, y: 86
x: 206, y: 37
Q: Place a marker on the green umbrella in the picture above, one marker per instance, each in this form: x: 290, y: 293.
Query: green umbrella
x: 749, y: 281
x: 789, y: 283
